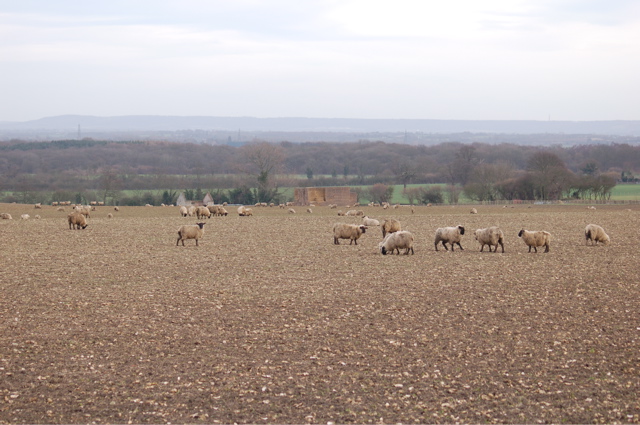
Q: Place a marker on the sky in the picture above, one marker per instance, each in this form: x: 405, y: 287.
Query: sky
x: 576, y: 60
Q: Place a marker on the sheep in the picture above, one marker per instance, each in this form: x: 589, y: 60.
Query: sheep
x: 370, y: 221
x: 390, y: 226
x: 116, y: 209
x: 347, y: 231
x: 535, y: 239
x: 222, y: 211
x: 491, y: 236
x: 38, y: 206
x: 183, y: 211
x: 474, y: 211
x: 396, y: 241
x: 25, y: 217
x: 191, y: 210
x: 453, y: 235
x: 203, y: 212
x: 109, y: 215
x: 309, y: 210
x: 351, y: 213
x: 190, y: 231
x: 6, y: 216
x: 77, y: 221
x: 37, y: 216
x: 595, y: 234
x: 292, y: 211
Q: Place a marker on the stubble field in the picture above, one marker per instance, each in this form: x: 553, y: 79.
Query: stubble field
x: 267, y: 321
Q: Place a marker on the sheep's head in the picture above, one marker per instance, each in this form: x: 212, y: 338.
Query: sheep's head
x: 476, y: 234
x: 201, y: 225
x: 520, y: 234
x: 383, y: 250
x: 461, y: 229
x: 363, y: 228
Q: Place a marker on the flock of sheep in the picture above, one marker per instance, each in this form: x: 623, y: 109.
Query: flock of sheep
x: 395, y: 239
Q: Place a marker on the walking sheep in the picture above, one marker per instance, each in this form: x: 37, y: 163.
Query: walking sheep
x: 347, y: 231
x: 491, y: 236
x: 453, y: 235
x: 396, y: 241
x: 77, y: 221
x: 595, y: 234
x: 390, y: 226
x: 534, y: 239
x: 190, y: 231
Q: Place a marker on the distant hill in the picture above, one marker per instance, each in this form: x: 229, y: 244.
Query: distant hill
x: 154, y: 123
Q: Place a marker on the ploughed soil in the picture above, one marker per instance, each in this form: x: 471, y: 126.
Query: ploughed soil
x: 267, y: 321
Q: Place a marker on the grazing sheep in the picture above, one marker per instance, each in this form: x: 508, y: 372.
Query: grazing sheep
x: 222, y: 211
x: 340, y: 213
x: 534, y: 239
x: 491, y: 236
x: 203, y: 212
x: 183, y: 211
x: 453, y: 235
x: 390, y: 226
x: 190, y: 231
x: 474, y: 211
x: 292, y: 211
x: 191, y: 209
x: 77, y: 221
x: 396, y: 241
x: 6, y: 216
x: 37, y: 217
x: 309, y: 210
x: 351, y: 213
x: 595, y: 234
x: 347, y: 231
x: 116, y: 209
x: 25, y: 217
x: 370, y: 221
x: 109, y: 215
x: 38, y: 206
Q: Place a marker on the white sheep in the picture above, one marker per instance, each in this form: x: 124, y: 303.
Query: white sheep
x: 474, y: 211
x: 351, y: 213
x: 389, y: 226
x: 309, y: 210
x: 190, y: 231
x: 452, y: 235
x: 25, y: 217
x: 77, y: 221
x: 203, y: 212
x: 116, y: 209
x: 109, y: 215
x: 370, y: 221
x: 347, y: 231
x: 491, y: 236
x: 595, y: 234
x: 536, y: 238
x: 396, y: 241
x: 183, y: 211
x: 6, y: 216
x: 292, y: 211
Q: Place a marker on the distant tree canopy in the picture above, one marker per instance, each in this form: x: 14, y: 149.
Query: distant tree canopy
x: 255, y: 171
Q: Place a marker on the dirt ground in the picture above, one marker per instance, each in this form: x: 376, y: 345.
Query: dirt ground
x: 267, y: 321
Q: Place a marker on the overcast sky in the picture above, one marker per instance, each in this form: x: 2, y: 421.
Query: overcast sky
x: 454, y: 59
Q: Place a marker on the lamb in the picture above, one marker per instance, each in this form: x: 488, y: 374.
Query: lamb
x: 370, y: 221
x: 396, y: 241
x: 390, y: 226
x: 203, y: 212
x: 535, y: 239
x: 183, y: 211
x: 347, y: 231
x: 453, y: 235
x: 491, y: 236
x: 595, y: 234
x: 77, y: 221
x: 190, y: 231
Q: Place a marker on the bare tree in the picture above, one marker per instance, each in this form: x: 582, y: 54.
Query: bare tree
x: 263, y: 161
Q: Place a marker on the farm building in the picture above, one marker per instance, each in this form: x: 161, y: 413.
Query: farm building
x: 324, y: 196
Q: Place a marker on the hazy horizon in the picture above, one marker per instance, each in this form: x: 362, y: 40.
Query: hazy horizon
x: 562, y: 60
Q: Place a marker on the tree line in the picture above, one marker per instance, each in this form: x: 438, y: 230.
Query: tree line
x: 256, y: 171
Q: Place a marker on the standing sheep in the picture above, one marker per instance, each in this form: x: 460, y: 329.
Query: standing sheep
x: 396, y: 241
x: 453, y: 235
x: 77, y: 221
x: 183, y: 211
x: 390, y: 226
x: 203, y: 212
x: 347, y: 231
x: 6, y: 216
x: 190, y: 231
x: 534, y: 239
x: 595, y: 234
x: 491, y: 236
